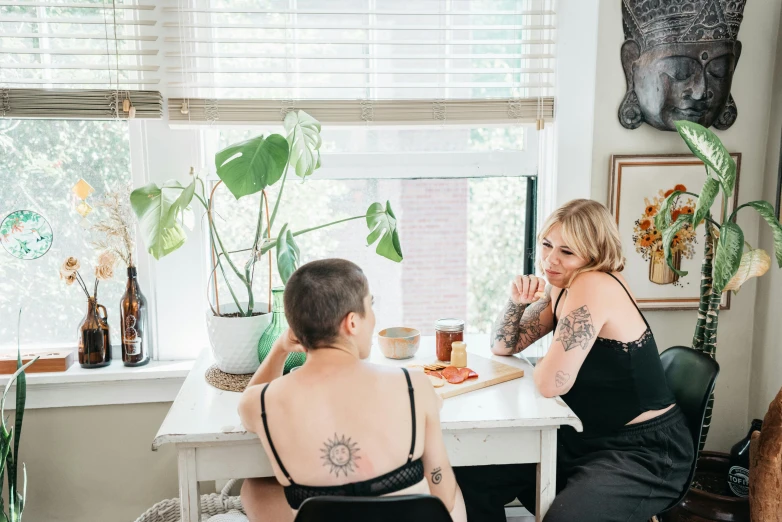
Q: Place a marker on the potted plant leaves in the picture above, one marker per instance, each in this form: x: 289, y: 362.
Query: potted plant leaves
x: 247, y: 168
x: 728, y: 262
x: 10, y: 438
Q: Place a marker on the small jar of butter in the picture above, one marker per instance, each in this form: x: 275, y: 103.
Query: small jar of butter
x: 459, y: 354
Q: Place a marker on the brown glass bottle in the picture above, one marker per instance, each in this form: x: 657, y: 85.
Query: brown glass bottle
x: 94, y: 340
x: 133, y: 316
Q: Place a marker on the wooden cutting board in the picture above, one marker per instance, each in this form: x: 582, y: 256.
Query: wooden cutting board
x: 489, y: 372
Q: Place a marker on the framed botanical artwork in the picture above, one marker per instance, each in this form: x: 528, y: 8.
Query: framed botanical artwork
x: 639, y: 184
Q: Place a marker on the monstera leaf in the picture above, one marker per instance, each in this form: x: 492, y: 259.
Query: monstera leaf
x: 754, y: 263
x: 250, y: 166
x: 727, y: 258
x: 705, y: 144
x: 180, y: 204
x: 382, y: 225
x: 152, y: 206
x: 288, y: 254
x: 304, y: 140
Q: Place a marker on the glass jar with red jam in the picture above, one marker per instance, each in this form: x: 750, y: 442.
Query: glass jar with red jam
x: 447, y: 331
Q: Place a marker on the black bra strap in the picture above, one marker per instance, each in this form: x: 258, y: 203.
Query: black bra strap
x: 269, y: 437
x: 630, y: 296
x: 412, y: 411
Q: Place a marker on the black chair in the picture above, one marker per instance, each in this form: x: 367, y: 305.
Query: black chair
x: 424, y: 508
x: 690, y: 375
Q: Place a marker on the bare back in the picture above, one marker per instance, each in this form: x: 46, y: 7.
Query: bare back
x: 339, y: 424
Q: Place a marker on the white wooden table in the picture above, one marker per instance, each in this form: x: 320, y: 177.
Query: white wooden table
x: 508, y: 423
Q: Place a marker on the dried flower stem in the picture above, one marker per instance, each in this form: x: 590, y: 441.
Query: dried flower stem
x: 118, y: 226
x: 82, y: 284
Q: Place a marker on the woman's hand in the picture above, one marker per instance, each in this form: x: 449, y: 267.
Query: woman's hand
x: 288, y: 343
x: 526, y: 289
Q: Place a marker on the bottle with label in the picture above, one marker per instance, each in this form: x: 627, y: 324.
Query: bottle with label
x: 738, y: 471
x: 133, y: 314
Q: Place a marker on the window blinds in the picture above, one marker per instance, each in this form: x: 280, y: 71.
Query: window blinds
x: 79, y: 58
x: 360, y: 61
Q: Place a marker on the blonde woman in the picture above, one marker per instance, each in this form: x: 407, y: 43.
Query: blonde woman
x: 633, y: 458
x: 340, y: 426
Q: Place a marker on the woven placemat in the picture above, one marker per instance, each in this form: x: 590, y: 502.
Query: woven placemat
x: 227, y: 381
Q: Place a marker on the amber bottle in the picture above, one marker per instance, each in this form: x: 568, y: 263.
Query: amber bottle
x: 94, y: 337
x: 133, y: 317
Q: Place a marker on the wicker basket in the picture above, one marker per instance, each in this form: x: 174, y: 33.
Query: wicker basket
x: 211, y: 504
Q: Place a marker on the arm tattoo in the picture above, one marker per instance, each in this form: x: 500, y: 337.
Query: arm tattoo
x: 506, y: 329
x: 437, y: 475
x: 576, y: 329
x: 519, y: 325
x: 530, y: 329
x: 561, y: 378
x: 340, y: 454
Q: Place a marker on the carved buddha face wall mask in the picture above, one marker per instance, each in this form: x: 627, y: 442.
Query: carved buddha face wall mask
x: 679, y: 57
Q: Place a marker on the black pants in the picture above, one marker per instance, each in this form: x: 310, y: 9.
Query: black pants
x: 627, y: 476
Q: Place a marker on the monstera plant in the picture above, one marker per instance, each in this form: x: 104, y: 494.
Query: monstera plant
x: 247, y: 168
x: 728, y: 261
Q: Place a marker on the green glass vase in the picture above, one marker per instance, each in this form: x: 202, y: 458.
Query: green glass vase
x: 278, y: 325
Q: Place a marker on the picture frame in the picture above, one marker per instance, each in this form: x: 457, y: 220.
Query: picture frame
x: 639, y: 183
x: 779, y: 183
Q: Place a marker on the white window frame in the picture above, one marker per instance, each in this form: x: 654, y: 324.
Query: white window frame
x: 176, y: 286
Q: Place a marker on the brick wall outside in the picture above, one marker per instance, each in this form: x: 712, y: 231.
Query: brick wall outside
x: 434, y: 232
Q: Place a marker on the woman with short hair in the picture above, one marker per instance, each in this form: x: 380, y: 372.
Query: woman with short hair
x: 634, y: 456
x: 339, y: 425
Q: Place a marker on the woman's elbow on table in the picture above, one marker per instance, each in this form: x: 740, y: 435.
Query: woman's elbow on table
x: 546, y: 391
x: 499, y: 350
x: 547, y: 384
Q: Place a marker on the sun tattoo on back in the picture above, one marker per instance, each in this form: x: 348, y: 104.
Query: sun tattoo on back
x: 340, y: 454
x: 576, y: 329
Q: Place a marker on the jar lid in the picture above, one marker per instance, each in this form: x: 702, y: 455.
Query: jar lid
x: 449, y: 325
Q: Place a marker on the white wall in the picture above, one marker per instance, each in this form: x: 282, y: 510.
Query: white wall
x: 95, y: 464
x: 752, y: 92
x: 767, y: 349
x: 577, y: 28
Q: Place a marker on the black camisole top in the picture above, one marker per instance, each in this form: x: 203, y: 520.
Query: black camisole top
x: 618, y: 381
x: 409, y: 474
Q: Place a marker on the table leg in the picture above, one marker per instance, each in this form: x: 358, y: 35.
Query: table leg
x: 547, y: 472
x: 189, y: 494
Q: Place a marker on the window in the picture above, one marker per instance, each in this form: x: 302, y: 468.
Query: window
x: 462, y: 235
x: 377, y: 76
x: 41, y: 161
x: 427, y: 103
x: 91, y: 44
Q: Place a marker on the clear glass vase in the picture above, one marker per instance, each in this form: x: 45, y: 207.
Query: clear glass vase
x: 278, y: 325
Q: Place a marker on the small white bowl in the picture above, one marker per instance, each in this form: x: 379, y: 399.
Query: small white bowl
x: 399, y: 342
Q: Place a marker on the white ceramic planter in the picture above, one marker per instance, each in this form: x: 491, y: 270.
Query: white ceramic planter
x: 234, y: 340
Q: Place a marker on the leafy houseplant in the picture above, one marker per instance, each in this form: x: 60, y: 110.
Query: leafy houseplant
x: 9, y: 440
x: 726, y: 265
x: 247, y: 168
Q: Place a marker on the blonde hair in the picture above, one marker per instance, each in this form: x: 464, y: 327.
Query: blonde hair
x: 589, y: 230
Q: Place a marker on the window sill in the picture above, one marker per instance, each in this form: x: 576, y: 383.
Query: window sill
x: 158, y: 381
